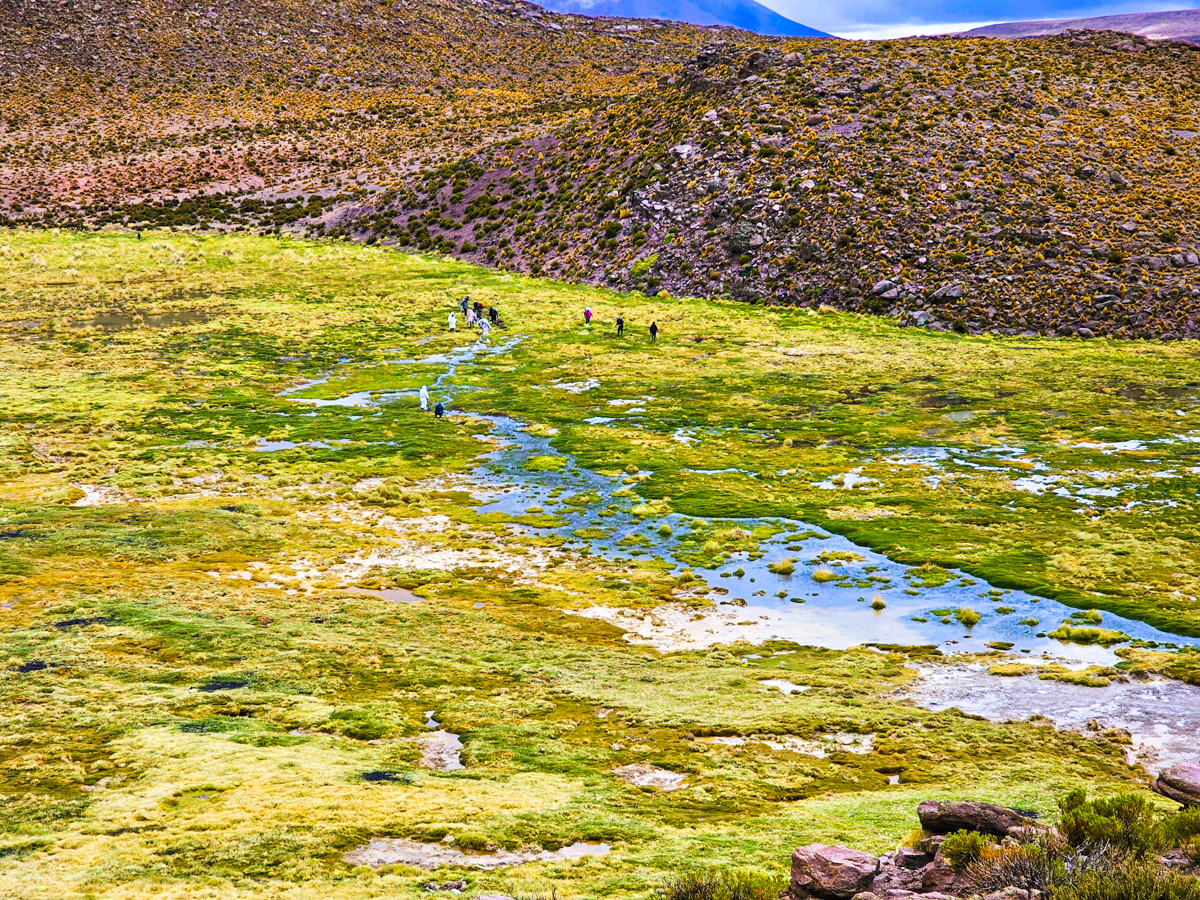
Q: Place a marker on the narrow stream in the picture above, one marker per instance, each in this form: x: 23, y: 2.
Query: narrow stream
x: 857, y: 596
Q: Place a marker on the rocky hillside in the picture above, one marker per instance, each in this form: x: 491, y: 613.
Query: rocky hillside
x: 1044, y: 186
x: 122, y: 102
x: 1050, y: 185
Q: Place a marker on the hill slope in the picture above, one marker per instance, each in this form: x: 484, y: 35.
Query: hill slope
x: 746, y: 14
x: 965, y: 183
x: 1180, y: 25
x: 1048, y: 187
x: 145, y: 99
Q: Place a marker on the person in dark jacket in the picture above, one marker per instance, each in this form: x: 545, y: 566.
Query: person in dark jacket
x: 620, y: 325
x: 439, y: 410
x: 654, y: 331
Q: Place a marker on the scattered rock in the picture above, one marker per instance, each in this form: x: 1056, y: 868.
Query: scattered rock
x: 951, y: 291
x: 833, y: 872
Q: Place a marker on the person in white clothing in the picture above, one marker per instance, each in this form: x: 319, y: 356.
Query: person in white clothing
x: 424, y: 397
x: 453, y: 322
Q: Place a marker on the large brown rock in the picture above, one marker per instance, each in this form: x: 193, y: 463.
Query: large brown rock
x: 1181, y: 783
x: 831, y: 872
x: 945, y: 817
x: 940, y: 877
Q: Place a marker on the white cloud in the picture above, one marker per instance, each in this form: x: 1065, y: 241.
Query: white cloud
x: 902, y: 18
x: 905, y: 29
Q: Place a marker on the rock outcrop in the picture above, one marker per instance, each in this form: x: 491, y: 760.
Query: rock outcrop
x: 1180, y: 783
x: 946, y: 817
x: 831, y: 872
x: 826, y: 872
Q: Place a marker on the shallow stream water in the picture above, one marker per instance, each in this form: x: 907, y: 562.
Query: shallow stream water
x: 869, y: 600
x: 595, y: 514
x: 1162, y: 716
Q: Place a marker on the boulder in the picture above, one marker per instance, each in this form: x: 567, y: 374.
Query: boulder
x: 912, y: 859
x: 1180, y: 783
x: 950, y: 291
x: 945, y: 817
x: 940, y: 877
x: 831, y: 872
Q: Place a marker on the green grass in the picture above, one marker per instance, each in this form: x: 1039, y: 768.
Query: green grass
x: 216, y: 563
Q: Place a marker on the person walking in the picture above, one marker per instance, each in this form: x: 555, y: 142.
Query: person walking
x: 587, y: 316
x: 453, y: 322
x: 653, y: 331
x: 620, y: 326
x: 470, y: 318
x: 424, y: 398
x: 464, y: 304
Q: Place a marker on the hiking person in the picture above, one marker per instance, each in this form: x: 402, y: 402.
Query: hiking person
x: 464, y: 304
x: 424, y: 398
x: 439, y: 410
x: 620, y: 326
x: 453, y: 322
x: 470, y: 318
x: 653, y: 331
x: 587, y: 316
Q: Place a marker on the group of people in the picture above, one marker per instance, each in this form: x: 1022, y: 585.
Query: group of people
x: 485, y: 318
x: 476, y: 316
x: 587, y: 320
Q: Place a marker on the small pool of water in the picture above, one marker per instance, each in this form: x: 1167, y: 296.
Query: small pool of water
x: 1162, y: 717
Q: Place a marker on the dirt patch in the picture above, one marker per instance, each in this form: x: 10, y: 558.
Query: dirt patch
x: 392, y: 595
x: 646, y: 775
x: 668, y: 628
x: 392, y: 851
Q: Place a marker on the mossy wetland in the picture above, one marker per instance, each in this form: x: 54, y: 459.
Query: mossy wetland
x: 232, y: 618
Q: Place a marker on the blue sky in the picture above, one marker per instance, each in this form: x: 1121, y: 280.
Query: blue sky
x: 896, y: 18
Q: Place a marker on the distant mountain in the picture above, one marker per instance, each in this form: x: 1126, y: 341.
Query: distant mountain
x: 747, y: 14
x: 1179, y: 25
